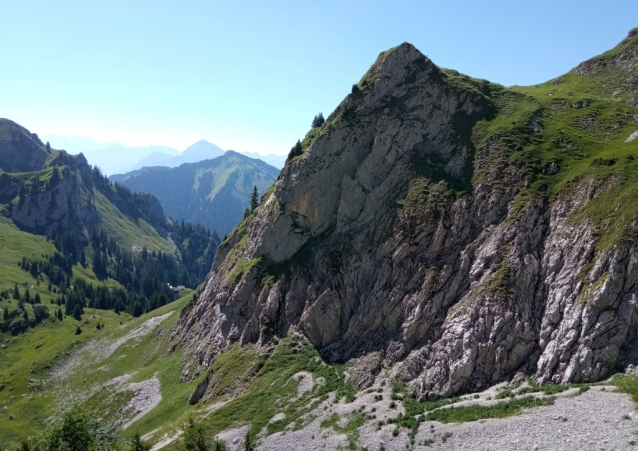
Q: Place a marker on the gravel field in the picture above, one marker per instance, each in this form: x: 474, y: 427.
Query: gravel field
x: 596, y: 420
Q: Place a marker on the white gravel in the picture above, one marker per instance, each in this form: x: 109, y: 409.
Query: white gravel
x: 596, y: 420
x: 98, y: 350
x: 147, y: 397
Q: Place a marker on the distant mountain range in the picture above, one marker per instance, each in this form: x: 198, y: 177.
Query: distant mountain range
x: 213, y: 192
x: 201, y: 150
x: 115, y: 158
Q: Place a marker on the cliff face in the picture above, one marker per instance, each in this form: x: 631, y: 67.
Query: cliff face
x: 63, y: 205
x: 41, y: 201
x: 463, y: 230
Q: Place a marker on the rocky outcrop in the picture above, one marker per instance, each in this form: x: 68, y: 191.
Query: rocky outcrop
x: 394, y: 236
x: 8, y: 188
x: 20, y: 150
x: 63, y: 205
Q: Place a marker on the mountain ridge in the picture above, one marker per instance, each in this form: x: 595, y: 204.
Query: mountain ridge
x: 214, y: 193
x: 420, y: 225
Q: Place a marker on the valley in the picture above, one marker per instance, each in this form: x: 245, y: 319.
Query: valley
x: 442, y: 263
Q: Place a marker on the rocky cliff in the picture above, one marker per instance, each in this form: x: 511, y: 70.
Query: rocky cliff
x: 47, y: 189
x: 464, y: 231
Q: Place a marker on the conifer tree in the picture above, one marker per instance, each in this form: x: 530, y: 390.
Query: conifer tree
x: 318, y: 121
x: 77, y: 312
x: 98, y: 326
x: 37, y: 299
x: 16, y: 292
x: 26, y: 316
x: 55, y: 176
x: 254, y: 199
x: 5, y: 315
x: 295, y: 151
x: 137, y: 309
x: 78, y: 331
x: 60, y: 314
x: 27, y: 296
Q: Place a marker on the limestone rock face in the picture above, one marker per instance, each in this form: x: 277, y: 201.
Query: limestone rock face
x: 64, y: 205
x: 393, y: 237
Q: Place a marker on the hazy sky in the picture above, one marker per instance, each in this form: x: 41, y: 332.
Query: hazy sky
x: 250, y: 75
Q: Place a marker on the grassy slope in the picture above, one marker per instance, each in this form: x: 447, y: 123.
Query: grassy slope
x: 29, y: 356
x: 15, y: 244
x: 33, y: 354
x: 126, y: 231
x: 586, y: 142
x: 255, y: 384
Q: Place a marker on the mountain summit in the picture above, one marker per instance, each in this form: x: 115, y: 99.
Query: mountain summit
x: 466, y: 231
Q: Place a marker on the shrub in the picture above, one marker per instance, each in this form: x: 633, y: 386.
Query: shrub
x: 78, y: 429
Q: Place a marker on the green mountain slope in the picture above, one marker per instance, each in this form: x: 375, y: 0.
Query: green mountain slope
x: 437, y: 235
x: 70, y: 237
x: 213, y: 192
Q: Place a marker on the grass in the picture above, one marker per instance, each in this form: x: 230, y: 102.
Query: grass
x: 32, y: 355
x: 351, y: 428
x: 627, y: 384
x: 266, y: 388
x: 476, y: 412
x: 126, y: 231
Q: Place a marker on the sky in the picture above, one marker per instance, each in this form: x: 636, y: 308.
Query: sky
x: 251, y: 75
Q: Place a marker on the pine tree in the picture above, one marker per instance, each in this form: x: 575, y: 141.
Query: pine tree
x: 98, y: 326
x: 49, y: 148
x: 27, y: 296
x: 26, y: 316
x: 254, y: 199
x: 137, y: 309
x: 78, y: 331
x: 37, y: 299
x: 16, y: 292
x: 55, y: 177
x: 49, y: 287
x: 60, y: 314
x: 295, y: 151
x: 5, y: 315
x: 318, y: 121
x: 77, y: 312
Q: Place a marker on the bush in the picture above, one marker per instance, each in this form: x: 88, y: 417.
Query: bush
x: 195, y: 438
x: 78, y: 429
x: 138, y: 445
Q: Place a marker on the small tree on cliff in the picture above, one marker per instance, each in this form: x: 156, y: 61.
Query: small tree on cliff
x: 254, y: 199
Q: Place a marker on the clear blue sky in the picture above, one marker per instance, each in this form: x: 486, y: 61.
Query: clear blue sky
x: 250, y: 75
